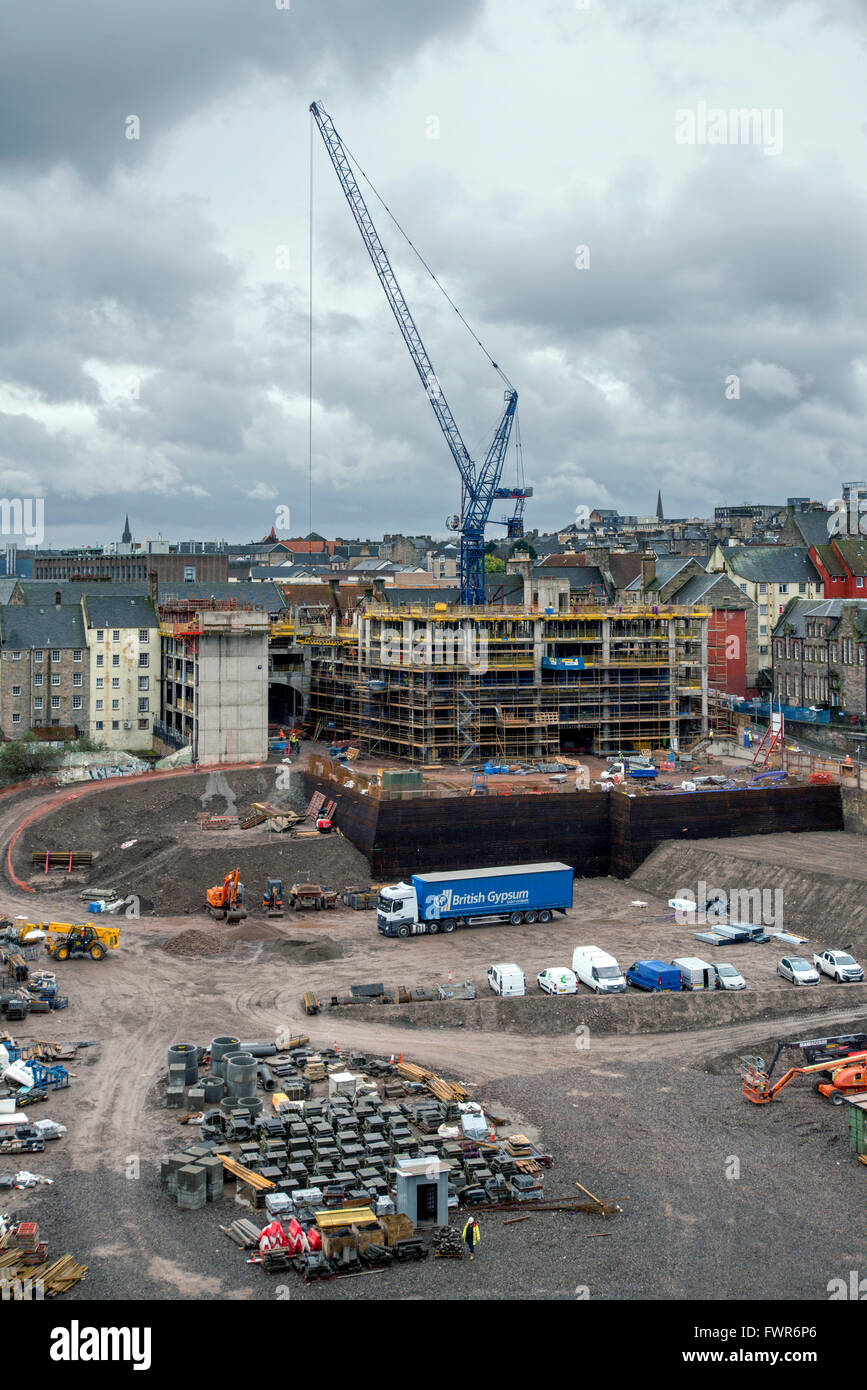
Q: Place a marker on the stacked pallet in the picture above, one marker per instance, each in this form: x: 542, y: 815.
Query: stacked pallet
x: 54, y: 1276
x: 447, y: 1243
x: 518, y: 1146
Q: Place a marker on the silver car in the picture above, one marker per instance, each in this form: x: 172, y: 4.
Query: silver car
x: 726, y: 977
x: 797, y: 971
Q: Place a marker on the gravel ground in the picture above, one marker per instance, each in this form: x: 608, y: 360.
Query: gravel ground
x: 656, y: 1138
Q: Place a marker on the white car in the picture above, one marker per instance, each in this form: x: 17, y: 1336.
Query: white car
x: 797, y: 970
x: 557, y: 981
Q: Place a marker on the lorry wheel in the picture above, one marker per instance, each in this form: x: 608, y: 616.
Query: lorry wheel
x: 544, y: 915
x: 403, y: 931
x: 530, y: 916
x: 433, y: 928
x: 450, y: 926
x: 516, y: 918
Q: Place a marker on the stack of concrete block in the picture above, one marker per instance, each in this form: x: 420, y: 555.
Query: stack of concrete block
x: 192, y: 1182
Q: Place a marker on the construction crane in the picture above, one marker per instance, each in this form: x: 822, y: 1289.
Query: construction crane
x: 480, y: 485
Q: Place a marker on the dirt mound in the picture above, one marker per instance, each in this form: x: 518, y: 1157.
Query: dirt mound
x: 197, y: 943
x: 255, y: 931
x: 304, y: 952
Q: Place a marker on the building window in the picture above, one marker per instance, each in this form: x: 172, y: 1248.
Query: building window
x: 115, y: 723
x: 100, y: 635
x: 143, y: 634
x: 76, y: 655
x: 16, y: 690
x: 144, y: 682
x: 76, y: 678
x: 99, y: 682
x: 99, y: 704
x: 115, y: 634
x: 99, y: 724
x: 144, y: 723
x: 55, y: 702
x: 763, y: 588
x: 16, y: 656
x: 37, y: 655
x: 55, y: 655
x: 76, y: 702
x: 16, y: 719
x: 115, y: 704
x: 115, y: 660
x: 143, y: 659
x: 37, y: 703
x: 783, y: 588
x: 55, y: 679
x: 115, y: 682
x: 189, y: 574
x: 143, y: 706
x: 100, y: 660
x: 802, y: 588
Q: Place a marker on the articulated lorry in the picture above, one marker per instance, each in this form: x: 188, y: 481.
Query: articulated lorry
x: 515, y: 893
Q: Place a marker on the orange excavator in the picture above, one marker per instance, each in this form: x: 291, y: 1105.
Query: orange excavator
x: 226, y: 900
x: 840, y: 1073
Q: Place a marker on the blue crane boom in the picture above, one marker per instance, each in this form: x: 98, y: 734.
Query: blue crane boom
x: 479, y: 486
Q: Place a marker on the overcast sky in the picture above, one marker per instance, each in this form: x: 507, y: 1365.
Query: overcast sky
x: 154, y: 291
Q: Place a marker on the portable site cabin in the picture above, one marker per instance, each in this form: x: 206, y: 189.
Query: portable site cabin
x: 422, y: 1189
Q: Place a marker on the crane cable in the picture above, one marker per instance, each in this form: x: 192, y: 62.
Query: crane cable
x: 421, y: 258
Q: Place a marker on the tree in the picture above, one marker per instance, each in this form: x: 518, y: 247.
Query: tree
x: 494, y: 565
x: 20, y: 758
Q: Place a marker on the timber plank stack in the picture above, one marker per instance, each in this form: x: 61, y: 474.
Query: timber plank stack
x: 443, y: 1090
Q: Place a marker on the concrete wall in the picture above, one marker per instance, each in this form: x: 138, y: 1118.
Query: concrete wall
x: 233, y: 690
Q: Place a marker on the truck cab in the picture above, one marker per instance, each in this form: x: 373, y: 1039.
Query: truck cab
x: 397, y: 910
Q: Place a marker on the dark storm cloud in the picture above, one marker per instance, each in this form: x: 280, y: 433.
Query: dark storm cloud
x: 70, y: 74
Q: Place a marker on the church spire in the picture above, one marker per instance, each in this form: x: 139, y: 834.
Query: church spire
x: 660, y: 514
x: 127, y: 533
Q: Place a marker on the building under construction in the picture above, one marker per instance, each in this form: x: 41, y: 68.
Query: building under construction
x: 468, y: 685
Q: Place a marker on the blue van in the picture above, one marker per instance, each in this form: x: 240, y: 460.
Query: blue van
x: 654, y: 975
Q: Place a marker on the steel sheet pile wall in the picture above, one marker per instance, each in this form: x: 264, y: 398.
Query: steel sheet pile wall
x: 639, y: 824
x: 596, y: 832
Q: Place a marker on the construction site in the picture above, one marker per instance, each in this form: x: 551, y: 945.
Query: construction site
x: 313, y: 1001
x: 467, y: 685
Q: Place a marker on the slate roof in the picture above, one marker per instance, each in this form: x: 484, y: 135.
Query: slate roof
x: 119, y: 610
x: 772, y: 564
x: 266, y: 596
x: 24, y: 627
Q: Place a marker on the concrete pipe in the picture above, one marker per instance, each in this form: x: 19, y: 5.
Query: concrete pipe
x: 225, y: 1059
x: 213, y: 1086
x: 260, y: 1049
x: 240, y: 1075
x: 267, y: 1078
x: 252, y: 1104
x: 185, y: 1053
x: 219, y: 1048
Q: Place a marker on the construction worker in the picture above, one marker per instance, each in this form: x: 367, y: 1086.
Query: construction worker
x: 472, y: 1235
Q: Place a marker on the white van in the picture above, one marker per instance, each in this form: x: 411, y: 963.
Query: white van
x: 595, y: 968
x: 506, y: 979
x: 695, y: 973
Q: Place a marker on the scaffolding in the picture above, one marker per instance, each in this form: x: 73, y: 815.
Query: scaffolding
x: 519, y: 685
